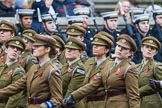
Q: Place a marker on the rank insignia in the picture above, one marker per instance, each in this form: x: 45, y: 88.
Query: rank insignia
x: 117, y: 71
x: 17, y: 42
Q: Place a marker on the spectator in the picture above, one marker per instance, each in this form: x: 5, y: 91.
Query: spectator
x: 6, y: 9
x: 63, y: 7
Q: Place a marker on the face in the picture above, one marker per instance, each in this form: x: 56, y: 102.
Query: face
x: 12, y: 52
x: 5, y: 35
x: 112, y: 23
x: 144, y: 26
x: 148, y: 51
x: 50, y: 26
x: 26, y: 21
x: 99, y: 50
x: 81, y: 38
x: 122, y: 52
x: 159, y: 19
x: 58, y: 51
x: 72, y: 54
x: 39, y: 51
x: 85, y: 20
x: 126, y: 6
x: 28, y: 43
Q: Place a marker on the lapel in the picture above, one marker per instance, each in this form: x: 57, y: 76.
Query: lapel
x: 148, y: 67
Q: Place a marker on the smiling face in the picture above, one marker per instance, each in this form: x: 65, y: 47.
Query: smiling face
x: 148, y: 51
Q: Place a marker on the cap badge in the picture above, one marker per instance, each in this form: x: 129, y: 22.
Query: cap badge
x: 17, y: 42
x: 70, y: 43
x: 30, y: 34
x: 2, y: 25
x: 72, y: 30
x: 123, y: 40
x: 150, y: 41
x: 96, y: 39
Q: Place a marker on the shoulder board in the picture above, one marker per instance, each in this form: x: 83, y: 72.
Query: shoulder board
x: 81, y: 71
x: 84, y: 57
x: 20, y: 71
x: 133, y: 69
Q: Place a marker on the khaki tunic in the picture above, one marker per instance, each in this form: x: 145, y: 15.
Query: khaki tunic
x: 26, y: 60
x: 73, y: 77
x: 8, y: 75
x: 92, y: 71
x: 41, y: 82
x: 149, y: 97
x: 115, y: 79
x: 56, y: 63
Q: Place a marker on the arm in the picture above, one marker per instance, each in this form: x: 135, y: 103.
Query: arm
x: 131, y: 82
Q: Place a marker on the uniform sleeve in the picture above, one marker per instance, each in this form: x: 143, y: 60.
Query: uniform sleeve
x: 14, y: 88
x: 147, y: 89
x: 131, y: 83
x: 55, y: 84
x: 76, y: 81
x: 87, y: 89
x: 14, y: 100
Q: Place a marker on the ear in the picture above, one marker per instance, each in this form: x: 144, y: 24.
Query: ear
x: 106, y: 50
x: 6, y: 50
x: 82, y: 38
x: 48, y: 49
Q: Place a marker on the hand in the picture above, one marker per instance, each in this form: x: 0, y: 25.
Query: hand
x: 69, y: 100
x: 155, y: 84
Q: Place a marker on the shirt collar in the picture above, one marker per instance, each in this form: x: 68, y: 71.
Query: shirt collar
x: 10, y: 63
x: 118, y: 61
x: 99, y: 61
x: 44, y: 62
x: 71, y: 62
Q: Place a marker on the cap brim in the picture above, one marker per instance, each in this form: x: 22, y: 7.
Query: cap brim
x: 122, y: 44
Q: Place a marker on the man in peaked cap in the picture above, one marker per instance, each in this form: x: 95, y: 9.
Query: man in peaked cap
x: 157, y: 31
x: 25, y: 20
x: 26, y: 58
x: 73, y: 71
x: 14, y: 71
x: 7, y: 30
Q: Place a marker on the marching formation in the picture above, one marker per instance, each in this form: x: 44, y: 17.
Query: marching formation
x: 43, y: 67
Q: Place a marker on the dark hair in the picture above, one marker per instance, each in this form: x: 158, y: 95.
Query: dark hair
x: 52, y: 52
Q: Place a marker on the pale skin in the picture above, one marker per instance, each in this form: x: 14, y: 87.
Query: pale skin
x: 72, y: 54
x: 28, y: 43
x: 148, y: 52
x: 122, y: 52
x: 143, y: 27
x: 111, y: 24
x: 26, y: 22
x: 50, y: 26
x: 6, y: 34
x: 159, y: 19
x: 12, y: 53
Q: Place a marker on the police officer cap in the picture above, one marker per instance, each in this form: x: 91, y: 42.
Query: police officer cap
x: 47, y: 17
x: 44, y: 40
x: 109, y: 15
x: 26, y: 12
x: 157, y: 12
x: 17, y: 42
x: 82, y: 2
x: 82, y: 11
x: 29, y: 34
x: 75, y: 44
x: 126, y: 41
x: 5, y: 25
x: 75, y: 19
x: 141, y: 17
x: 59, y: 42
x: 151, y: 41
x: 75, y: 30
x: 103, y: 38
x: 136, y: 11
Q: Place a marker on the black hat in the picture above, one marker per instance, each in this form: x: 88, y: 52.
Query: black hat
x: 82, y: 2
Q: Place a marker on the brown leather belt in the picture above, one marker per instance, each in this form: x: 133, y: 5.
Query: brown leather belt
x: 109, y: 93
x: 35, y: 100
x: 4, y: 100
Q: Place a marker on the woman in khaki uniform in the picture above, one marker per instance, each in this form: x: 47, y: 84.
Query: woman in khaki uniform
x: 149, y: 69
x: 73, y: 71
x: 11, y: 71
x: 119, y: 78
x: 43, y: 81
x: 102, y: 43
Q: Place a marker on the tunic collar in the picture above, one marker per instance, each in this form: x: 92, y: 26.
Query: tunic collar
x: 71, y: 62
x: 44, y: 62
